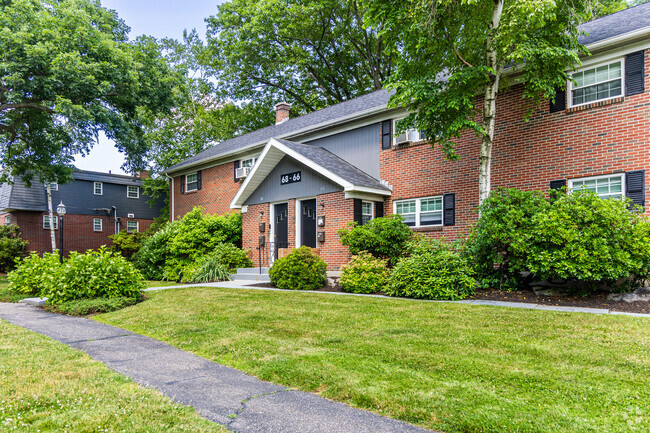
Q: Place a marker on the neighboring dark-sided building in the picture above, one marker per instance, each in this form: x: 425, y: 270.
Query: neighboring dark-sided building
x: 97, y: 205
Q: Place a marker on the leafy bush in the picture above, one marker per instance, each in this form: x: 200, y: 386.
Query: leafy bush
x: 578, y: 237
x: 364, y: 274
x: 12, y: 246
x: 127, y: 244
x: 384, y: 238
x: 434, y: 272
x: 231, y: 257
x: 206, y: 270
x: 180, y: 243
x: 95, y: 274
x: 34, y: 273
x: 300, y: 270
x: 83, y: 307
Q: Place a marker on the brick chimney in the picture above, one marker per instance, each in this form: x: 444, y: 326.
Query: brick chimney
x: 143, y: 174
x: 282, y: 112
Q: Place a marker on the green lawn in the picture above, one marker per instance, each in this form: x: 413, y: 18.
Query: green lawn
x: 5, y: 294
x: 450, y: 367
x: 46, y: 386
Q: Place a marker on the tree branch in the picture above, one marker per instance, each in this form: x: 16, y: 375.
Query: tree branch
x: 20, y: 105
x: 456, y: 51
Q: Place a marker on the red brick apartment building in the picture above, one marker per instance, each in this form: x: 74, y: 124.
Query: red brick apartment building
x: 97, y: 206
x: 299, y: 181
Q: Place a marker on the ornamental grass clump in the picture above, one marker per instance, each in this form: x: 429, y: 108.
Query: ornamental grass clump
x: 300, y: 270
x: 364, y: 274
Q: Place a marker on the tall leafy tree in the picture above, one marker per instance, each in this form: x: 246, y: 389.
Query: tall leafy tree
x: 68, y: 71
x: 310, y: 53
x: 454, y: 55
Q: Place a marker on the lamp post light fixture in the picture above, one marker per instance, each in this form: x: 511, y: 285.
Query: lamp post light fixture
x: 60, y: 210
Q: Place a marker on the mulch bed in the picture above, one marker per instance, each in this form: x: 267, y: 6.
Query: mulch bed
x: 597, y: 300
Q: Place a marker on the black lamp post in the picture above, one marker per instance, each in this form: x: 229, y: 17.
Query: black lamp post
x: 60, y: 210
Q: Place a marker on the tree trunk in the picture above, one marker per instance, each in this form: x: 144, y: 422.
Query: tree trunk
x: 489, y: 106
x: 51, y: 215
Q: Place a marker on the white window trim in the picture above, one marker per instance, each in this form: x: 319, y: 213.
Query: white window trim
x: 137, y: 226
x: 252, y: 158
x: 570, y: 86
x: 101, y: 188
x: 601, y: 176
x: 418, y: 201
x: 372, y: 209
x: 7, y: 220
x: 394, y: 133
x: 187, y: 188
x: 54, y: 186
x: 56, y: 222
x: 137, y: 191
x: 101, y: 225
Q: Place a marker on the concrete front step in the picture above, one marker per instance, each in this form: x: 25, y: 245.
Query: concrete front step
x: 252, y: 271
x: 262, y: 278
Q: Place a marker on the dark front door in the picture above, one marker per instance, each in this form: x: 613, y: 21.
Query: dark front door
x: 308, y: 223
x: 281, y: 230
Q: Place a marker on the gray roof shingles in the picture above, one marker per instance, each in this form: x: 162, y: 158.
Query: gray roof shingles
x: 335, y: 164
x: 600, y: 29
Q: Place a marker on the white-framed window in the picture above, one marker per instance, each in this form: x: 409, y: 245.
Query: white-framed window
x: 597, y: 83
x: 53, y: 186
x: 132, y: 226
x: 7, y: 220
x: 418, y: 212
x: 408, y: 136
x: 46, y: 222
x: 191, y: 182
x: 367, y: 211
x: 248, y: 162
x: 97, y: 224
x: 133, y: 191
x: 607, y: 186
x: 98, y: 188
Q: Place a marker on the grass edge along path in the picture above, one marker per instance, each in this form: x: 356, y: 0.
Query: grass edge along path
x: 448, y: 367
x: 47, y: 386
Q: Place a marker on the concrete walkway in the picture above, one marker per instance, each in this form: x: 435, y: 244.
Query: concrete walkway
x: 221, y: 394
x: 526, y: 305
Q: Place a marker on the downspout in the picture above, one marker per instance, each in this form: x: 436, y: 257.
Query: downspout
x: 171, y: 198
x: 116, y: 226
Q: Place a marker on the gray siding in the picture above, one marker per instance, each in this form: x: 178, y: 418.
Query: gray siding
x: 360, y: 147
x: 79, y: 198
x: 311, y: 184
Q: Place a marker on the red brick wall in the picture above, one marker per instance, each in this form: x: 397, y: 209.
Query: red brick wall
x: 78, y: 231
x: 218, y: 188
x: 529, y: 154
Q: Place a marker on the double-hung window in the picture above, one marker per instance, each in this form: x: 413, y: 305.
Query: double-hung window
x: 131, y: 226
x: 98, y: 188
x: 597, y: 84
x: 367, y: 212
x: 46, y: 222
x: 419, y: 212
x: 608, y: 186
x: 97, y: 224
x: 7, y: 220
x: 247, y: 162
x: 133, y: 191
x: 191, y: 182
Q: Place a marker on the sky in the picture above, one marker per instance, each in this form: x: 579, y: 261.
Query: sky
x: 158, y: 18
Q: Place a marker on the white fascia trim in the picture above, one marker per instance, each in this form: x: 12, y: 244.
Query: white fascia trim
x: 606, y: 43
x: 368, y: 190
x: 247, y: 180
x: 309, y: 129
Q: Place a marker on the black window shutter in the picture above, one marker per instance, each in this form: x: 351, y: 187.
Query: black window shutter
x: 560, y: 100
x: 235, y: 171
x: 358, y: 214
x: 449, y: 209
x: 635, y: 187
x: 386, y: 134
x: 634, y: 73
x: 198, y: 179
x: 558, y: 184
x: 183, y: 184
x: 379, y: 209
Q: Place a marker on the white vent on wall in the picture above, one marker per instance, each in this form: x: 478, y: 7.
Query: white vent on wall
x: 242, y: 172
x: 131, y: 215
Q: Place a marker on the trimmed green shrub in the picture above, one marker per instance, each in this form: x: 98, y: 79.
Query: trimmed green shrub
x: 384, y: 238
x: 364, y: 274
x: 95, y: 274
x: 12, y: 246
x: 438, y: 272
x: 127, y: 244
x: 300, y: 270
x: 206, y: 270
x: 83, y: 307
x: 180, y: 243
x: 33, y: 273
x: 231, y: 257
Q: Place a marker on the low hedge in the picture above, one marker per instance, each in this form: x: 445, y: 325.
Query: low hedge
x: 300, y: 270
x: 364, y: 274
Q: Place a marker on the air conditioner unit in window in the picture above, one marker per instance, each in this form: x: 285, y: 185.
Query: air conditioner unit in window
x: 402, y: 138
x: 242, y: 172
x: 413, y: 135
